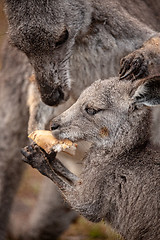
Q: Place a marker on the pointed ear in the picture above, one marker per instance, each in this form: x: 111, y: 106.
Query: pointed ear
x: 147, y: 92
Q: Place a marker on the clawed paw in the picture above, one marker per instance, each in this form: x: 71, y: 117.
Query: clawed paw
x: 37, y: 157
x: 134, y: 66
x: 31, y: 151
x: 33, y: 155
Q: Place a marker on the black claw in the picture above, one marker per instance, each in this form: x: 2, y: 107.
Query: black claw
x: 36, y: 147
x: 26, y: 155
x: 30, y: 148
x: 133, y: 67
x: 25, y: 152
x: 125, y: 65
x: 133, y: 78
x: 143, y: 72
x: 131, y: 70
x: 124, y: 68
x: 122, y: 61
x: 139, y: 75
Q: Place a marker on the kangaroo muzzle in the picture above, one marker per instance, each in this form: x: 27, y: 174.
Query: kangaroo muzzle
x: 52, y: 97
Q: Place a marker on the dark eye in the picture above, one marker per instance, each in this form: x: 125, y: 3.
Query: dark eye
x: 62, y: 39
x: 91, y: 111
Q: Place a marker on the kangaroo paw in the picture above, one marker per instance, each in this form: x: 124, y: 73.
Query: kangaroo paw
x: 35, y: 156
x: 134, y: 66
x: 49, y: 166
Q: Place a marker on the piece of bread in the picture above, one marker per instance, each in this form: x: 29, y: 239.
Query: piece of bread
x: 48, y: 142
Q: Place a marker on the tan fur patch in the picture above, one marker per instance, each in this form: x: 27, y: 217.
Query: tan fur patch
x: 32, y: 78
x: 104, y: 132
x: 155, y: 41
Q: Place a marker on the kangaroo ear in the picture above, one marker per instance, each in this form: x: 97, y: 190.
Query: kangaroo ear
x: 147, y: 92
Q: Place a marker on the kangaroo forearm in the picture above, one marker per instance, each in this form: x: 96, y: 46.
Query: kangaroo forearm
x: 49, y: 167
x: 61, y: 170
x: 49, y: 172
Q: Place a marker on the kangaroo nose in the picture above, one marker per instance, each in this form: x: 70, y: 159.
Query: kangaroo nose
x: 54, y: 126
x: 50, y: 97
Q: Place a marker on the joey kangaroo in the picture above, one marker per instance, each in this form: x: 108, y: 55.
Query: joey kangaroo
x: 70, y: 44
x: 121, y: 173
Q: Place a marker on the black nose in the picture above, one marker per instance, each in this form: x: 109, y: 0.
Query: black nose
x: 54, y: 126
x: 52, y: 97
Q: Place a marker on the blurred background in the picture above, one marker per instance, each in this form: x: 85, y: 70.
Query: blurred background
x: 3, y: 23
x: 30, y: 186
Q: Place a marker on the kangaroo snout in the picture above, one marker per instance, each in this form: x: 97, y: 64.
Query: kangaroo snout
x: 52, y: 97
x: 54, y: 126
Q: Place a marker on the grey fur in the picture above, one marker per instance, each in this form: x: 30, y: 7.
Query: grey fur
x: 102, y: 31
x: 13, y: 127
x: 121, y: 173
x: 100, y: 34
x: 51, y: 217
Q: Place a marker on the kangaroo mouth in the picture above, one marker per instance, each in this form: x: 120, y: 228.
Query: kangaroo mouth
x: 47, y: 141
x: 61, y: 134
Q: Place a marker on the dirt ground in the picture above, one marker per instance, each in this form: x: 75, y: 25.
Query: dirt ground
x: 30, y: 187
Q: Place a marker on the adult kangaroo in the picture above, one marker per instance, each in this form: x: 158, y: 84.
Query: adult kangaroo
x: 61, y: 37
x: 70, y: 44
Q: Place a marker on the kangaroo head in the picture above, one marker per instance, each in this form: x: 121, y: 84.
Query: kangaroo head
x: 45, y: 31
x: 109, y: 113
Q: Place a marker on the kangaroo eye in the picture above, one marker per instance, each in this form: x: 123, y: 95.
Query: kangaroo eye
x: 91, y: 111
x: 62, y: 39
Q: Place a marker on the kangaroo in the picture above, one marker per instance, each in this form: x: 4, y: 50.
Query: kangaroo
x: 70, y: 44
x: 18, y: 111
x: 58, y: 36
x: 120, y: 178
